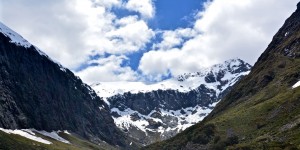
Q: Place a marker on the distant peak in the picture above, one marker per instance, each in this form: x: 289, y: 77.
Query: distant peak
x: 233, y: 66
x: 234, y: 60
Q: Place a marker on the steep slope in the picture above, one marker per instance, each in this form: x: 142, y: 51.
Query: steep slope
x: 37, y: 93
x: 262, y: 111
x: 159, y: 111
x: 17, y: 142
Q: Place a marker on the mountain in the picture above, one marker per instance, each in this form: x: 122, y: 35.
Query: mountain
x: 155, y: 112
x: 39, y: 96
x: 262, y: 110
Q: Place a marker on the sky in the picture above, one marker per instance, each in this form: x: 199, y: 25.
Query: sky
x: 146, y: 40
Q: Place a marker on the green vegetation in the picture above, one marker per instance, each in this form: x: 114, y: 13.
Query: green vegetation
x: 262, y: 111
x: 268, y: 119
x: 17, y: 142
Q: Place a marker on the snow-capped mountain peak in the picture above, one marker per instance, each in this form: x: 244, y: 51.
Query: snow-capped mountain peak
x: 213, y: 77
x: 232, y: 66
x: 148, y: 111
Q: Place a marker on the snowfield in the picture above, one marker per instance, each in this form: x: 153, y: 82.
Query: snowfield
x: 165, y: 121
x: 30, y: 134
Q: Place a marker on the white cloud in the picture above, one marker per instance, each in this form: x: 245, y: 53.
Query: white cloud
x: 156, y: 64
x: 144, y: 7
x: 108, y: 3
x: 226, y: 29
x: 172, y: 38
x: 69, y: 31
x: 1, y: 8
x: 128, y: 36
x: 108, y: 69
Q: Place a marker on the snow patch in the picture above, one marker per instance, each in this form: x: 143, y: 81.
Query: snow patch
x: 14, y: 37
x: 125, y: 121
x: 101, y: 108
x: 30, y: 134
x: 52, y: 135
x: 189, y: 117
x: 287, y: 33
x: 66, y: 132
x: 296, y: 85
x: 27, y: 134
x: 62, y: 69
x: 20, y: 41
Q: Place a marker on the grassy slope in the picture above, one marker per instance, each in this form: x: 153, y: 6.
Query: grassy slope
x: 262, y: 111
x: 270, y: 118
x: 16, y: 142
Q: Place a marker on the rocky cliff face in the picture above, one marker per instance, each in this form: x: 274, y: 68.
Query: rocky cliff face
x: 262, y: 110
x: 215, y: 83
x: 160, y: 111
x: 37, y: 93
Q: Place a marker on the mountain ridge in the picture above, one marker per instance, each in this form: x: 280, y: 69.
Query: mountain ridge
x: 182, y: 83
x: 154, y: 112
x: 38, y: 93
x: 262, y: 110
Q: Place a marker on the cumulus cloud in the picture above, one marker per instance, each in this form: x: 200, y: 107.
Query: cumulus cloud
x: 173, y: 38
x: 225, y: 29
x: 70, y: 31
x: 144, y: 7
x: 128, y: 36
x: 108, y: 3
x: 108, y: 69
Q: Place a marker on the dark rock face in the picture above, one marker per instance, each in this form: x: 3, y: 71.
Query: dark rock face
x: 284, y: 47
x: 144, y: 103
x: 153, y: 124
x: 135, y: 117
x: 37, y: 93
x: 286, y: 32
x: 167, y: 112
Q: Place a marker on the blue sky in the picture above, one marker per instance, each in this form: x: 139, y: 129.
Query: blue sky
x: 178, y: 14
x: 175, y: 14
x: 146, y: 40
